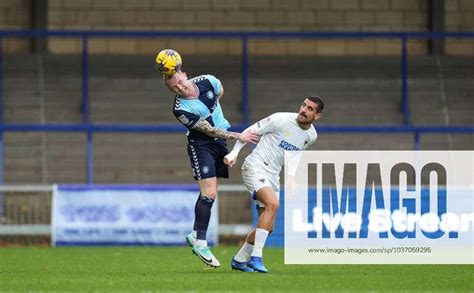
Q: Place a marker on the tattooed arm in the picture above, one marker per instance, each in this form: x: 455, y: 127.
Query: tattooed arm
x: 208, y: 129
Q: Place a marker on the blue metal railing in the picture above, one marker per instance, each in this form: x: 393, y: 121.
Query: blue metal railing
x: 90, y: 128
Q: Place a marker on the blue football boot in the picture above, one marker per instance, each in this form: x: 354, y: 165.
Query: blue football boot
x: 241, y: 266
x: 257, y: 264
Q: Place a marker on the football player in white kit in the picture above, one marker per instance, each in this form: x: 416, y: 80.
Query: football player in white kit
x: 279, y: 132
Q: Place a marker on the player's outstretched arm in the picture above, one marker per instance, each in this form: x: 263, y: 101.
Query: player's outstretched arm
x: 231, y: 158
x: 249, y: 136
x: 210, y: 130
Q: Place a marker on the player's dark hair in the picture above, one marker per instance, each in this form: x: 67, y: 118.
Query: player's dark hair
x: 318, y: 101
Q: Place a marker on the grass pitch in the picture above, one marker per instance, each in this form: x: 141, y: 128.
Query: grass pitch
x: 176, y: 269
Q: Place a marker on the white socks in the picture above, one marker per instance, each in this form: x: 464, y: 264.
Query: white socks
x: 244, y: 253
x: 247, y: 250
x: 202, y: 243
x: 260, y: 238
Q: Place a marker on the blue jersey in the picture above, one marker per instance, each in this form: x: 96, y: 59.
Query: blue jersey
x: 205, y: 107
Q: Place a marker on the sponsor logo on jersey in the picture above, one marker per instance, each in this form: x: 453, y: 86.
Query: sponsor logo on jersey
x: 288, y: 146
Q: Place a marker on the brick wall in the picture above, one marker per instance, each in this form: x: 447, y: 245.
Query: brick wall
x: 15, y: 15
x: 459, y: 17
x: 273, y: 15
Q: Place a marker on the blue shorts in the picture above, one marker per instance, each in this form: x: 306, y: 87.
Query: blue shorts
x: 207, y: 160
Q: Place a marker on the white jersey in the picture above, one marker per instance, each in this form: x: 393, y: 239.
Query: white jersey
x: 279, y: 133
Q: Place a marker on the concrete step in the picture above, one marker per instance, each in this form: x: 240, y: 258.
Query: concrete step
x: 16, y: 175
x: 363, y: 141
x: 447, y: 141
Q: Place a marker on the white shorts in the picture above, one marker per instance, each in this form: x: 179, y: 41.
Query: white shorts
x: 254, y: 179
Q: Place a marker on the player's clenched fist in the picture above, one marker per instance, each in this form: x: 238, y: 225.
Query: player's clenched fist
x: 231, y: 158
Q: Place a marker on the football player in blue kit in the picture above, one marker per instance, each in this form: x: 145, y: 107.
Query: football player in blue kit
x: 196, y: 106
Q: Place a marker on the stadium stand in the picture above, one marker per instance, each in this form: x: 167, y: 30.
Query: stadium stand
x: 126, y: 89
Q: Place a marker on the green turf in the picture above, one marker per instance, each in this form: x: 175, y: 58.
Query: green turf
x: 166, y: 268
